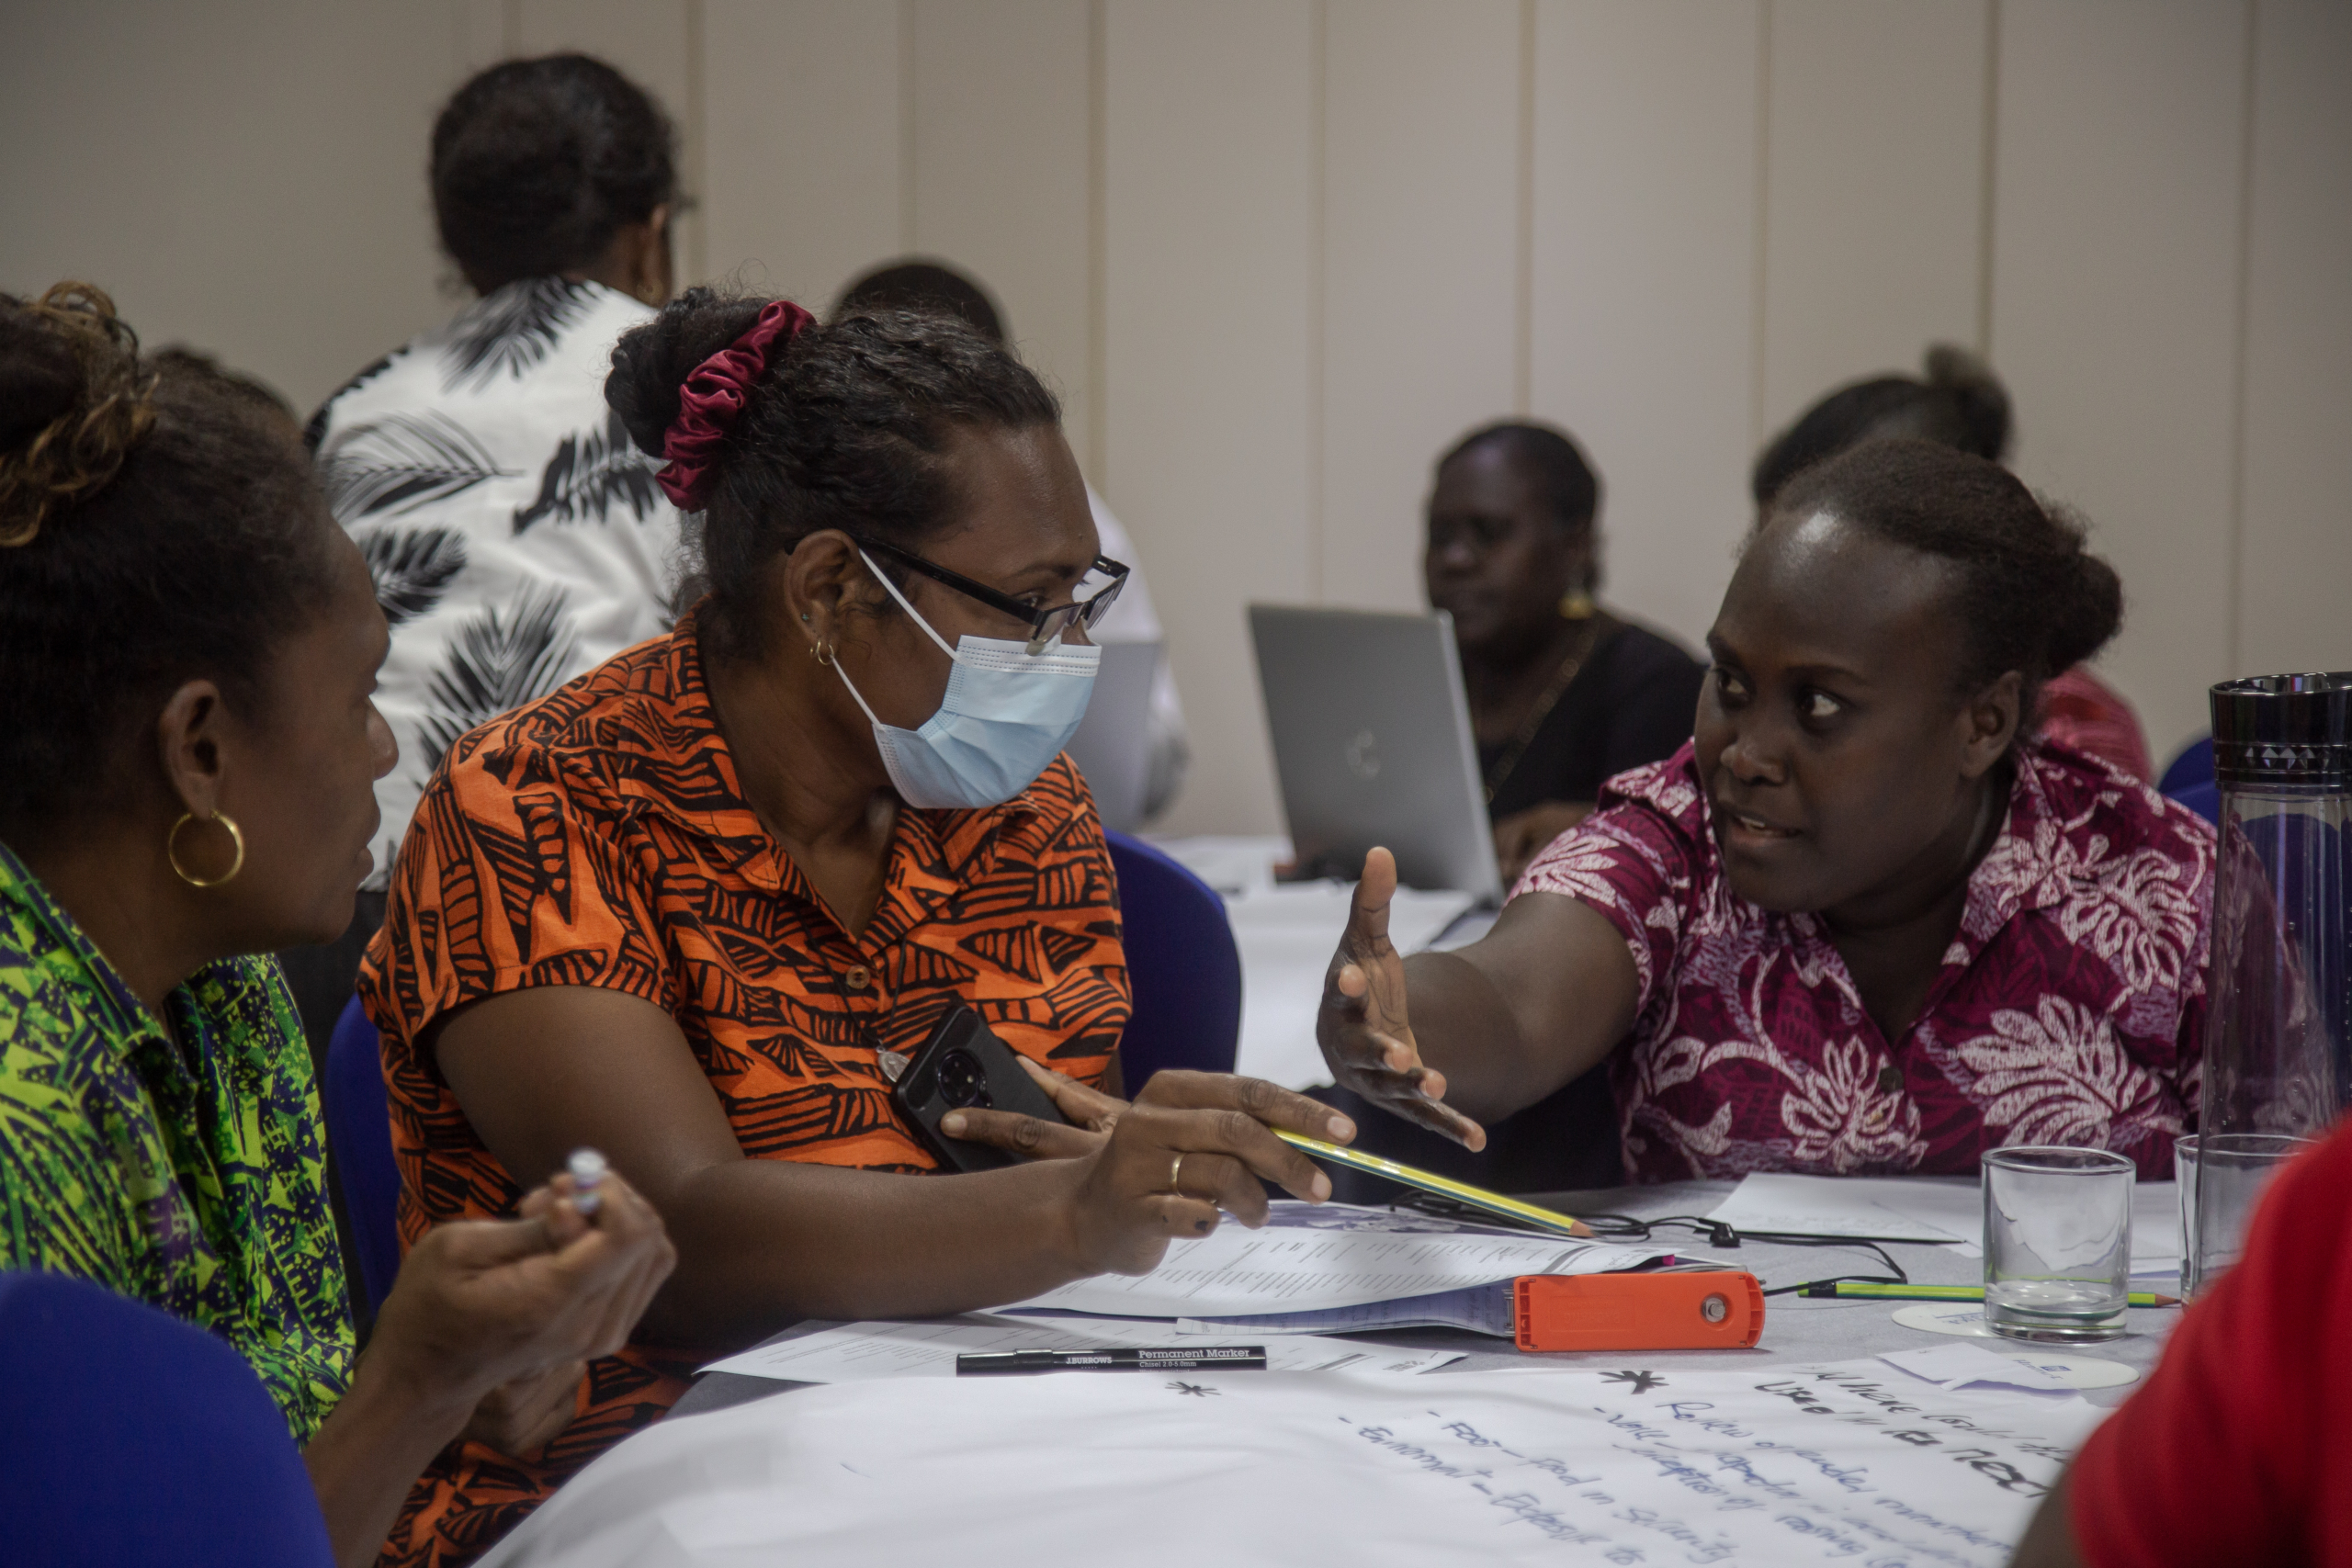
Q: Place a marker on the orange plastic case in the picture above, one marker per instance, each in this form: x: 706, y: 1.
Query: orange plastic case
x: 1638, y: 1312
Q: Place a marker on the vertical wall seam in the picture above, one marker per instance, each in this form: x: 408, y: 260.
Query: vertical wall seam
x: 1318, y: 39
x: 1758, y: 280
x: 1987, y: 175
x: 697, y: 257
x: 1098, y: 244
x: 2233, y: 619
x: 907, y: 126
x: 1522, y: 377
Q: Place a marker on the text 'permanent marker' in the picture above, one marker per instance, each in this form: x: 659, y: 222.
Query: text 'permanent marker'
x: 1175, y: 1358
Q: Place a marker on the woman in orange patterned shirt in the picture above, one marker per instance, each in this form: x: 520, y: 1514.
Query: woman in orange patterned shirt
x: 687, y: 908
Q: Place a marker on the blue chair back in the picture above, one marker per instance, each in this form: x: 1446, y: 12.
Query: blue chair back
x: 1181, y: 963
x: 2194, y: 766
x: 359, y: 1133
x: 128, y: 1438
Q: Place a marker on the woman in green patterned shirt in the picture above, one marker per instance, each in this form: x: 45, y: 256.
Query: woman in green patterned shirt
x: 188, y: 750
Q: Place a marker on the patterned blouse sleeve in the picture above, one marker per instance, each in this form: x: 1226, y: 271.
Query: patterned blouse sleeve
x: 505, y: 884
x: 1631, y: 863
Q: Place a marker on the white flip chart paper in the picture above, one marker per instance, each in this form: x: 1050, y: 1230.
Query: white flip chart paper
x: 847, y: 1351
x: 1854, y: 1462
x: 1234, y: 1272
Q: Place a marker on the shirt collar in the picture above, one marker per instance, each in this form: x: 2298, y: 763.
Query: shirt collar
x: 46, y: 927
x: 2022, y: 870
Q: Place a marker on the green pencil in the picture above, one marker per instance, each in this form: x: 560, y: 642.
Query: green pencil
x: 1850, y: 1288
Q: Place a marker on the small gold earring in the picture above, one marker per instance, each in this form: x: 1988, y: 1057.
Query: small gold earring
x: 171, y: 850
x: 1577, y: 605
x: 822, y: 652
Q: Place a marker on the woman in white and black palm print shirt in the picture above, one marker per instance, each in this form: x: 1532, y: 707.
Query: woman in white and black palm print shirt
x: 516, y: 538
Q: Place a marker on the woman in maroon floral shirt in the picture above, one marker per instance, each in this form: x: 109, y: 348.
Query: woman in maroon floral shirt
x: 1859, y: 924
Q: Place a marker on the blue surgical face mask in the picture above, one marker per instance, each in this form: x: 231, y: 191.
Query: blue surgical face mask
x: 1007, y: 715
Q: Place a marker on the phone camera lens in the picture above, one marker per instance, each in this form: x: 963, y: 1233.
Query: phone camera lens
x: 962, y: 1081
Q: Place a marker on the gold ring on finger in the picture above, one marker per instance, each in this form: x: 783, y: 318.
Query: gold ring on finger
x: 1176, y: 1177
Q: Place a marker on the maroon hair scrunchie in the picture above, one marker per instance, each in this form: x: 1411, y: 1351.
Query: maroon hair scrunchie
x: 713, y: 398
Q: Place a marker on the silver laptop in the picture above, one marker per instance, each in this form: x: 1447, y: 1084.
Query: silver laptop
x: 1372, y: 745
x: 1112, y: 746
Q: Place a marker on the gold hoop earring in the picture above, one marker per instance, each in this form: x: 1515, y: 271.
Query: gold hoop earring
x: 822, y: 653
x: 171, y: 850
x: 1577, y: 605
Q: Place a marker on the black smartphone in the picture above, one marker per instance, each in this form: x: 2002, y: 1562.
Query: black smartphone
x: 964, y: 1066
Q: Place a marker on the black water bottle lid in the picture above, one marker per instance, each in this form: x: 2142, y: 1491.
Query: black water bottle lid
x: 2284, y: 729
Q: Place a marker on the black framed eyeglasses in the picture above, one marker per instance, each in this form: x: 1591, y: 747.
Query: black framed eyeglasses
x: 1045, y: 625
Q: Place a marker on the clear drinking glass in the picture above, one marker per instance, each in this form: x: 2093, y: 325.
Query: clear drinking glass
x: 2057, y: 1243
x: 2232, y: 1169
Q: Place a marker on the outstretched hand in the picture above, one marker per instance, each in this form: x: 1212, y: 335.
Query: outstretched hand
x: 1367, y: 1037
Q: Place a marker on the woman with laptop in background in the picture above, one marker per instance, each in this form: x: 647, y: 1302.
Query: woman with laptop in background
x: 1563, y: 694
x: 1863, y: 921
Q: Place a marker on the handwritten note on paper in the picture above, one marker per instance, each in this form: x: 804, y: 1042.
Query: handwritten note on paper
x: 1233, y: 1273
x: 1642, y: 1464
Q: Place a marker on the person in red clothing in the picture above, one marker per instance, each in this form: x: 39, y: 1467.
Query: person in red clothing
x: 2235, y: 1451
x: 2085, y: 713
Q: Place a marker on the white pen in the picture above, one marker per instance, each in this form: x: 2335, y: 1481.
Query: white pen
x: 587, y: 1169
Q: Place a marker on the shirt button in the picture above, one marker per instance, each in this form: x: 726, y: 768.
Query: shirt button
x: 858, y: 978
x: 1889, y: 1079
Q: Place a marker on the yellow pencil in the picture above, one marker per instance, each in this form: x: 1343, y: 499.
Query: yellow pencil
x: 1429, y: 1181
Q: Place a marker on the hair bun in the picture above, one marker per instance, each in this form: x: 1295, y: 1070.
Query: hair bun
x: 1975, y: 397
x: 39, y: 378
x: 650, y: 363
x: 2088, y: 590
x: 73, y: 400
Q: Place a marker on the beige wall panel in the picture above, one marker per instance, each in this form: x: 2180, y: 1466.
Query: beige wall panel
x: 1421, y: 121
x: 1873, y: 190
x: 486, y: 32
x: 643, y: 40
x: 1000, y: 170
x: 1645, y: 300
x: 2115, y: 275
x: 647, y: 40
x: 2298, y: 532
x: 1210, y: 290
x: 248, y: 179
x: 802, y: 161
